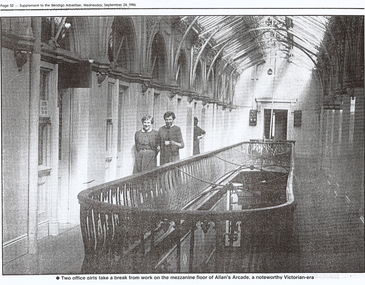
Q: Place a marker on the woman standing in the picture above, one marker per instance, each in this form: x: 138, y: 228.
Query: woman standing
x: 199, y: 133
x: 171, y: 139
x: 147, y: 143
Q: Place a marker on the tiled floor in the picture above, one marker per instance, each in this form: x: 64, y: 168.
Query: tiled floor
x: 329, y: 231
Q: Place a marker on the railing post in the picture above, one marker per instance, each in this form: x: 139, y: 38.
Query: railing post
x: 219, y: 237
x: 192, y: 244
x: 85, y: 268
x: 178, y: 244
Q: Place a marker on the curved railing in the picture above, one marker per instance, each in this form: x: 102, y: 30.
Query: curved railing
x: 143, y: 223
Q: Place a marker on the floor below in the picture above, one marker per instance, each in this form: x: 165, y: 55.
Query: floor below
x: 57, y: 254
x: 330, y: 216
x: 329, y: 225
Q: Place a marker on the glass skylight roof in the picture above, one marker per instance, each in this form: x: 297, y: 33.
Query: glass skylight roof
x: 248, y: 40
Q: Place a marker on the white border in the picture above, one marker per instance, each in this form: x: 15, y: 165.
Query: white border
x: 187, y: 7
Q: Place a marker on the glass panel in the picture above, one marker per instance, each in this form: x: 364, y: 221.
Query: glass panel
x: 120, y: 105
x: 109, y: 101
x: 44, y: 85
x: 43, y: 144
x: 109, y: 134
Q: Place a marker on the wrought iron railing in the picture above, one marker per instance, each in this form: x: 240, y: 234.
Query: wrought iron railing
x: 145, y: 223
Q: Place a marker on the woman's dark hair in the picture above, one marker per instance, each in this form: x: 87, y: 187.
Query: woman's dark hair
x: 169, y: 114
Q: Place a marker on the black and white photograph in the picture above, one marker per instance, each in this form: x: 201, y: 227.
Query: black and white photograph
x: 215, y: 144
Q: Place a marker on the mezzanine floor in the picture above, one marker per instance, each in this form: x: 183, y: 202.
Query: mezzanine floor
x: 329, y: 228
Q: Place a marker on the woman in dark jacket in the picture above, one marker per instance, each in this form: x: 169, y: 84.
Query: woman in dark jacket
x: 171, y: 139
x: 199, y: 133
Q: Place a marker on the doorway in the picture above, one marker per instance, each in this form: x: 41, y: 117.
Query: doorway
x: 276, y: 124
x: 64, y: 154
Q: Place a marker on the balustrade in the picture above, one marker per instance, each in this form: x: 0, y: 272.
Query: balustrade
x: 150, y: 222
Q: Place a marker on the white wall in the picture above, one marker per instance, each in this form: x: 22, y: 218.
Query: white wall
x: 292, y: 88
x: 15, y: 145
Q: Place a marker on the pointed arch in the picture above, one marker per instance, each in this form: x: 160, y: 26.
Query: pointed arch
x: 58, y: 31
x: 210, y: 82
x: 219, y: 90
x: 158, y: 59
x: 122, y: 44
x: 198, y: 82
x: 182, y: 71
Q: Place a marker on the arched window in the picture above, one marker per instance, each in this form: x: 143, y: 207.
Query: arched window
x: 198, y: 82
x: 158, y: 60
x: 122, y: 44
x: 182, y: 71
x: 57, y: 29
x: 219, y: 87
x: 227, y: 91
x: 210, y: 84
